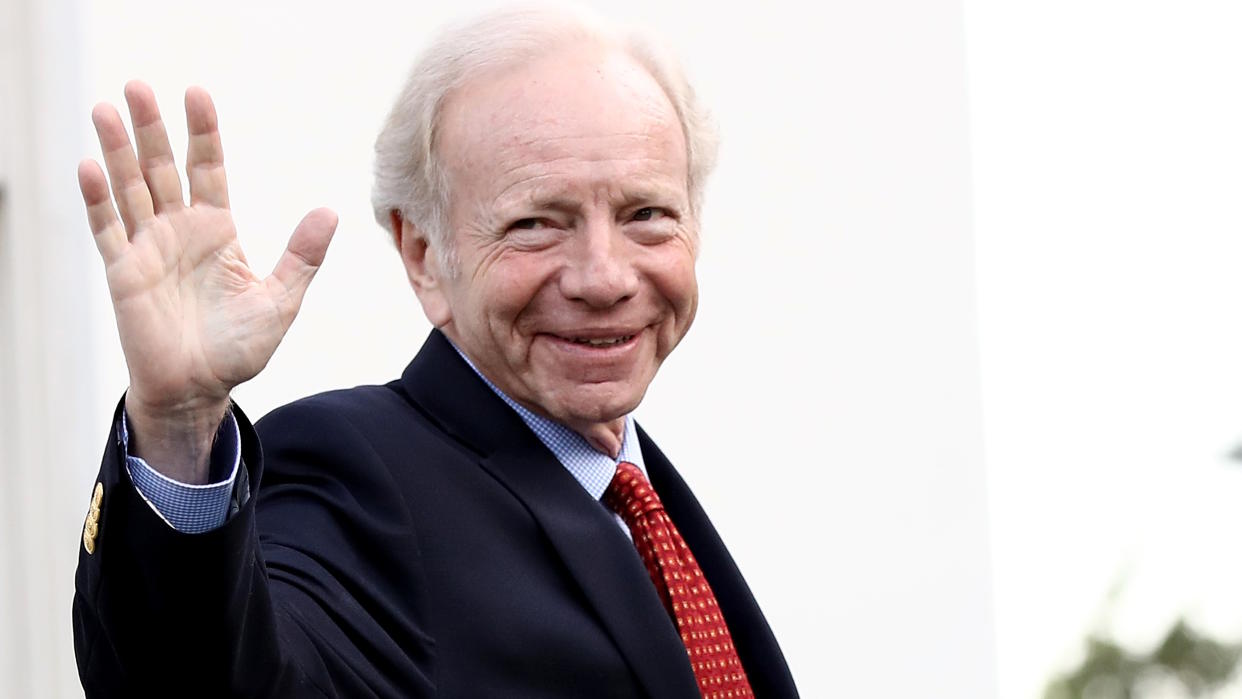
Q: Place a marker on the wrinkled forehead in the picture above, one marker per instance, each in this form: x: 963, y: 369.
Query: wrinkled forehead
x: 588, y: 103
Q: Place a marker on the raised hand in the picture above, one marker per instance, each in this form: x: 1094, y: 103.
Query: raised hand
x: 194, y: 321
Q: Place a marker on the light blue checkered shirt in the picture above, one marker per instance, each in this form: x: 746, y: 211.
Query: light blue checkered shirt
x: 199, y: 508
x: 189, y: 508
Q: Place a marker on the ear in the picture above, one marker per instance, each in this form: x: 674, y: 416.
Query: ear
x: 422, y: 268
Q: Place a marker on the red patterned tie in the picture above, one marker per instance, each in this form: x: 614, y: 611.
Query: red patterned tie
x: 681, y: 584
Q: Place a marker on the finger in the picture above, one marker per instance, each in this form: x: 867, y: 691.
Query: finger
x: 133, y: 200
x: 106, y: 228
x: 205, y: 163
x: 155, y: 156
x: 302, y: 258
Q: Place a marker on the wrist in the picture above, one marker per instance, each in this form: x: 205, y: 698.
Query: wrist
x: 175, y: 440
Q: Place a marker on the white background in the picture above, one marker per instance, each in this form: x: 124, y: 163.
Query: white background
x: 829, y: 393
x: 1107, y: 142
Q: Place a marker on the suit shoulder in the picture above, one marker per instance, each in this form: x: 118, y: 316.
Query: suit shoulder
x: 379, y: 420
x: 358, y: 406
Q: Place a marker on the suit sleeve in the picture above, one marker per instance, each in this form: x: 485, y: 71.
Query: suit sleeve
x: 159, y: 612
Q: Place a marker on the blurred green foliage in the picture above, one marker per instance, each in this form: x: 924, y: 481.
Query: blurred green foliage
x: 1185, y: 664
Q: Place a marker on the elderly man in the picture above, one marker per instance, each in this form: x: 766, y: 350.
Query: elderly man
x: 493, y: 523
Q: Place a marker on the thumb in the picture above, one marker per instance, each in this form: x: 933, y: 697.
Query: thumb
x: 302, y: 257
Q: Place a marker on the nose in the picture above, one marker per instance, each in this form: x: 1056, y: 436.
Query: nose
x: 599, y: 271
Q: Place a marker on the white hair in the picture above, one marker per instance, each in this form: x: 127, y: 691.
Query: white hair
x: 409, y: 178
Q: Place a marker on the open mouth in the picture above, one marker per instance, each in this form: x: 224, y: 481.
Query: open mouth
x: 601, y: 341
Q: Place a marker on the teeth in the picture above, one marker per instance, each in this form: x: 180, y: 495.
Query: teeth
x: 602, y: 342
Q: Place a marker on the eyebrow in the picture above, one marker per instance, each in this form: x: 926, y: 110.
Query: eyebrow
x: 559, y: 199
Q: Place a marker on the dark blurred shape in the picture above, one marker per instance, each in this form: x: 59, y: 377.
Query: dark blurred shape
x: 1185, y: 663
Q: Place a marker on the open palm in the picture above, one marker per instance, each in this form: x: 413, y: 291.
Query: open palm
x: 194, y: 320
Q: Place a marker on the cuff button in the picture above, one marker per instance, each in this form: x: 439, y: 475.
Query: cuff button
x: 91, y: 529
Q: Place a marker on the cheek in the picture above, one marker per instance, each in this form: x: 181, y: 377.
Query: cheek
x: 676, y: 282
x: 511, y: 289
x: 693, y: 302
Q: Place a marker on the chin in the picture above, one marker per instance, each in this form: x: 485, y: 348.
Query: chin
x: 596, y: 406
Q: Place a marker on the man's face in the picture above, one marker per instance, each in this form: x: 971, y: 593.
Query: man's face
x: 572, y: 225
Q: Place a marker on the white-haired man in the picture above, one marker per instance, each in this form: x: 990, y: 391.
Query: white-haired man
x: 491, y: 524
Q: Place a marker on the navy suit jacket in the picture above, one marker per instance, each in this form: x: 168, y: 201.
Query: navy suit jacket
x: 408, y: 540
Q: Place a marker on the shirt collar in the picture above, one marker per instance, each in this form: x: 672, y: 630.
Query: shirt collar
x: 592, y: 469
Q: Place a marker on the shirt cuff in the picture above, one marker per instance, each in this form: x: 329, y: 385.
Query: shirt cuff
x: 191, y: 509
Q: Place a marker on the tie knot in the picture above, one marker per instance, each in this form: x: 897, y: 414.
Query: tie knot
x: 629, y: 494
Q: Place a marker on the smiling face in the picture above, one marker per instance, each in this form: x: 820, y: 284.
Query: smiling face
x: 572, y: 224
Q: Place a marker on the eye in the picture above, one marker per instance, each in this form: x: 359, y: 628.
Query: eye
x: 533, y: 232
x: 526, y: 224
x: 648, y: 213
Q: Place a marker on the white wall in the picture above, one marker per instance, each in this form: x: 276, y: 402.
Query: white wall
x: 47, y: 381
x: 829, y: 391
x: 1107, y: 150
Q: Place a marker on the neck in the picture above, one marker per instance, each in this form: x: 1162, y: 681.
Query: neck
x: 605, y: 437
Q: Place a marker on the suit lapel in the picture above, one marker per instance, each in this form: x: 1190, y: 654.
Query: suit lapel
x: 756, y: 646
x: 606, y: 566
x: 599, y: 557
